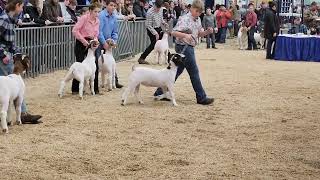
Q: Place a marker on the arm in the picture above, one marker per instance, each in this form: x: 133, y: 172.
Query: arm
x: 114, y: 34
x: 101, y: 38
x: 254, y: 21
x: 76, y: 30
x: 149, y: 24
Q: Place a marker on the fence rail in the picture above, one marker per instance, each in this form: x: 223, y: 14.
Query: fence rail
x: 52, y: 48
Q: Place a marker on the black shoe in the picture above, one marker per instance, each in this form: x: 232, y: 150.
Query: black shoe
x: 214, y: 47
x: 165, y: 99
x: 249, y: 49
x: 119, y: 86
x: 208, y: 47
x: 27, y: 118
x: 255, y: 49
x: 75, y: 93
x: 142, y: 61
x: 207, y: 101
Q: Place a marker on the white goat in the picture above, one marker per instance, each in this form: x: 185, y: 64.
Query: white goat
x: 162, y: 48
x: 242, y: 37
x: 82, y: 71
x: 12, y: 88
x: 107, y: 65
x: 163, y: 78
x: 258, y: 37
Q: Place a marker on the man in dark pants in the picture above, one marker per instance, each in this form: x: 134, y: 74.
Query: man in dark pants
x: 271, y: 29
x: 153, y: 23
x: 251, y: 21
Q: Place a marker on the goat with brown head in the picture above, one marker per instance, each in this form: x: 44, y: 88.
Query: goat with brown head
x: 22, y: 63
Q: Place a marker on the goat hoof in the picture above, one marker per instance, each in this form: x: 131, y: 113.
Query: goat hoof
x: 19, y: 122
x: 141, y: 102
x: 9, y: 123
x: 5, y: 131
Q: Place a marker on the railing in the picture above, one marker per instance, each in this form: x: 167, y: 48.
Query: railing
x: 52, y: 48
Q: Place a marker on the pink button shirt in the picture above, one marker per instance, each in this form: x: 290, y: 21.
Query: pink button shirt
x: 85, y: 27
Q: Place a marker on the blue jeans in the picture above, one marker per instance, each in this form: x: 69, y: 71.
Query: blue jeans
x: 193, y: 71
x: 223, y: 34
x: 9, y: 69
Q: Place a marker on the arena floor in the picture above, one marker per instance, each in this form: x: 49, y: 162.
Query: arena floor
x: 264, y: 124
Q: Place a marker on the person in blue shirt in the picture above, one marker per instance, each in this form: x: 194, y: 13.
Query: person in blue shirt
x: 298, y: 27
x: 108, y: 29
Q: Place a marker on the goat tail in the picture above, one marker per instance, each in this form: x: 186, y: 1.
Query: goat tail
x: 133, y: 67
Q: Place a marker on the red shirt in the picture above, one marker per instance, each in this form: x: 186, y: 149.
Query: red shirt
x: 222, y: 18
x: 251, y: 19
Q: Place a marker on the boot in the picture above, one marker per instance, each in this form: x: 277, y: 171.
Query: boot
x: 27, y: 118
x: 118, y: 85
x: 142, y: 61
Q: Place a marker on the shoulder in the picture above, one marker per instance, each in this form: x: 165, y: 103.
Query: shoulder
x: 150, y: 11
x: 4, y: 19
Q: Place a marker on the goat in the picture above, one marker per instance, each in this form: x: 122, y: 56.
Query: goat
x: 163, y: 78
x: 82, y: 71
x: 107, y: 65
x: 12, y: 88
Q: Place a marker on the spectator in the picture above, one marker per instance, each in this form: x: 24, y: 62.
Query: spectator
x: 154, y: 31
x: 271, y: 29
x: 298, y: 27
x: 233, y: 11
x: 68, y: 10
x: 261, y: 15
x: 87, y: 28
x: 120, y: 9
x: 108, y: 29
x: 52, y: 11
x: 8, y: 49
x: 209, y: 21
x: 71, y: 10
x: 177, y: 9
x: 237, y: 21
x: 2, y: 5
x: 32, y: 9
x: 172, y: 13
x: 84, y: 11
x: 311, y: 16
x: 251, y: 22
x: 128, y: 11
x: 222, y: 18
x: 138, y: 8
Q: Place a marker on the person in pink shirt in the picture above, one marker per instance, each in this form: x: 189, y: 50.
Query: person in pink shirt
x: 86, y: 29
x: 222, y: 17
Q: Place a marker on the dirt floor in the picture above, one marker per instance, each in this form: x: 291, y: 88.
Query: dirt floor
x: 264, y: 124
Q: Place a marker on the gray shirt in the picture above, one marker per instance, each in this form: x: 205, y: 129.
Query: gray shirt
x: 209, y: 21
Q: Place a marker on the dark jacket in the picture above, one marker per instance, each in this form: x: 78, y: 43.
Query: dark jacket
x: 178, y: 11
x: 34, y: 14
x: 138, y: 10
x: 271, y: 25
x: 51, y: 12
x: 72, y: 14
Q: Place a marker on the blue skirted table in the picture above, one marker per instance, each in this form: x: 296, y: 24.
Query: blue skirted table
x: 297, y: 48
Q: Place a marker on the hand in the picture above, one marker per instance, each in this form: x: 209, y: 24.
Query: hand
x: 47, y: 22
x: 215, y: 30
x: 6, y: 60
x: 19, y: 22
x: 157, y: 36
x: 248, y: 28
x: 188, y: 37
x: 274, y: 34
x: 106, y: 46
x: 210, y: 30
x: 60, y: 19
x: 85, y: 44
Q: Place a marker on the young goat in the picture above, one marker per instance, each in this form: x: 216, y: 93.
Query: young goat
x: 162, y: 48
x: 107, y: 65
x: 242, y: 36
x: 163, y: 78
x: 12, y: 88
x: 82, y: 71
